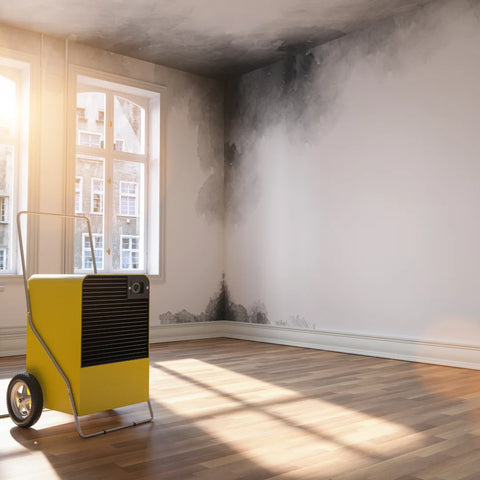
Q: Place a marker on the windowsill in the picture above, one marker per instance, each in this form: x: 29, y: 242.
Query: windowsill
x: 10, y: 278
x: 15, y: 278
x: 156, y: 278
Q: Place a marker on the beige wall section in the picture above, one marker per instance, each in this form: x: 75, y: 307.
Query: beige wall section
x: 193, y: 235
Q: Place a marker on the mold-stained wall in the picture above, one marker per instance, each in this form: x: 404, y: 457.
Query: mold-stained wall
x: 352, y: 182
x: 194, y: 187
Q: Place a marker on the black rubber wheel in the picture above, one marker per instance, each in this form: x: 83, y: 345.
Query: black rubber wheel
x: 24, y: 400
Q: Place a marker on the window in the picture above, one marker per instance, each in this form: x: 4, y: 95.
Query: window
x: 130, y: 252
x: 90, y: 139
x: 14, y: 116
x: 3, y: 209
x: 3, y: 258
x: 97, y: 195
x: 119, y: 144
x: 80, y: 113
x: 87, y: 262
x: 117, y: 153
x: 128, y: 199
x: 78, y: 194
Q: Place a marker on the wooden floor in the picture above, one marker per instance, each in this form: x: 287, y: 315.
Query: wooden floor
x: 230, y: 409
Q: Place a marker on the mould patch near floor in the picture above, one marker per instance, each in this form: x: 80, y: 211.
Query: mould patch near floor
x: 219, y: 307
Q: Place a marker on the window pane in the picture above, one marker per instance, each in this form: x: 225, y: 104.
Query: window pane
x: 8, y: 106
x: 92, y: 172
x: 128, y: 219
x: 90, y: 119
x: 129, y: 126
x: 125, y: 259
x: 6, y: 197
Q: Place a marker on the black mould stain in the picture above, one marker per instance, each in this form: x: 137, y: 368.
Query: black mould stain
x: 231, y: 153
x: 231, y: 165
x: 205, y: 108
x: 297, y: 70
x: 220, y: 307
x: 298, y: 73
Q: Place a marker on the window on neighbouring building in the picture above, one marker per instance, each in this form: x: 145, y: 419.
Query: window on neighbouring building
x: 90, y: 139
x: 14, y: 118
x: 3, y: 209
x: 128, y: 199
x: 121, y: 166
x: 3, y: 259
x: 87, y: 262
x: 119, y: 145
x: 97, y: 195
x: 130, y: 252
x: 78, y: 194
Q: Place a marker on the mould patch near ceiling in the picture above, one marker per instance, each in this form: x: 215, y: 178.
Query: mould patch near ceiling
x: 210, y: 38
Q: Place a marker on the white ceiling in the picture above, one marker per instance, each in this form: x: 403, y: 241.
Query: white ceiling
x: 209, y: 37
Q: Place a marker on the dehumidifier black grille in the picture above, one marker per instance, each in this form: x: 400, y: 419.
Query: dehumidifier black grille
x: 115, y: 318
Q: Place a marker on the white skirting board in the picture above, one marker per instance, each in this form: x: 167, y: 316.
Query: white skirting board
x: 438, y: 353
x: 12, y: 341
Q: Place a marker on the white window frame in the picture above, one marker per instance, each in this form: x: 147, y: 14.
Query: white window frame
x: 96, y: 191
x: 128, y: 196
x: 153, y: 243
x: 79, y: 191
x: 98, y: 251
x: 130, y: 250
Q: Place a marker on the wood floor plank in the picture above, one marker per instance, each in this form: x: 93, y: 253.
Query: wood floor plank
x: 230, y: 409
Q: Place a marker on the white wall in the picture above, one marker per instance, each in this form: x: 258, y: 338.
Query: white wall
x: 193, y: 166
x: 353, y: 182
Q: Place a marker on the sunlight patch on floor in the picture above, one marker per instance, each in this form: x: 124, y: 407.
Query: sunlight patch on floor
x: 17, y: 460
x: 274, y: 425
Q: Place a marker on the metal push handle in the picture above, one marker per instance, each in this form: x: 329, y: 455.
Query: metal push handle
x: 47, y: 214
x: 27, y: 298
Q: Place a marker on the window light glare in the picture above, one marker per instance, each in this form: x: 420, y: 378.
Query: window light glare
x: 8, y: 110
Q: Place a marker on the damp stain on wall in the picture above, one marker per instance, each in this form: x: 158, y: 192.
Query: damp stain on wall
x: 205, y: 110
x: 301, y: 95
x: 215, y: 310
x: 242, y: 183
x: 219, y: 307
x: 203, y: 100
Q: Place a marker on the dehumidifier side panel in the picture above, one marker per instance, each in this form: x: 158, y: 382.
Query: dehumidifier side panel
x: 113, y: 385
x: 55, y: 393
x: 56, y: 309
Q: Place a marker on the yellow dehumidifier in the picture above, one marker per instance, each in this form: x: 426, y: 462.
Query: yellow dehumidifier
x: 87, y: 345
